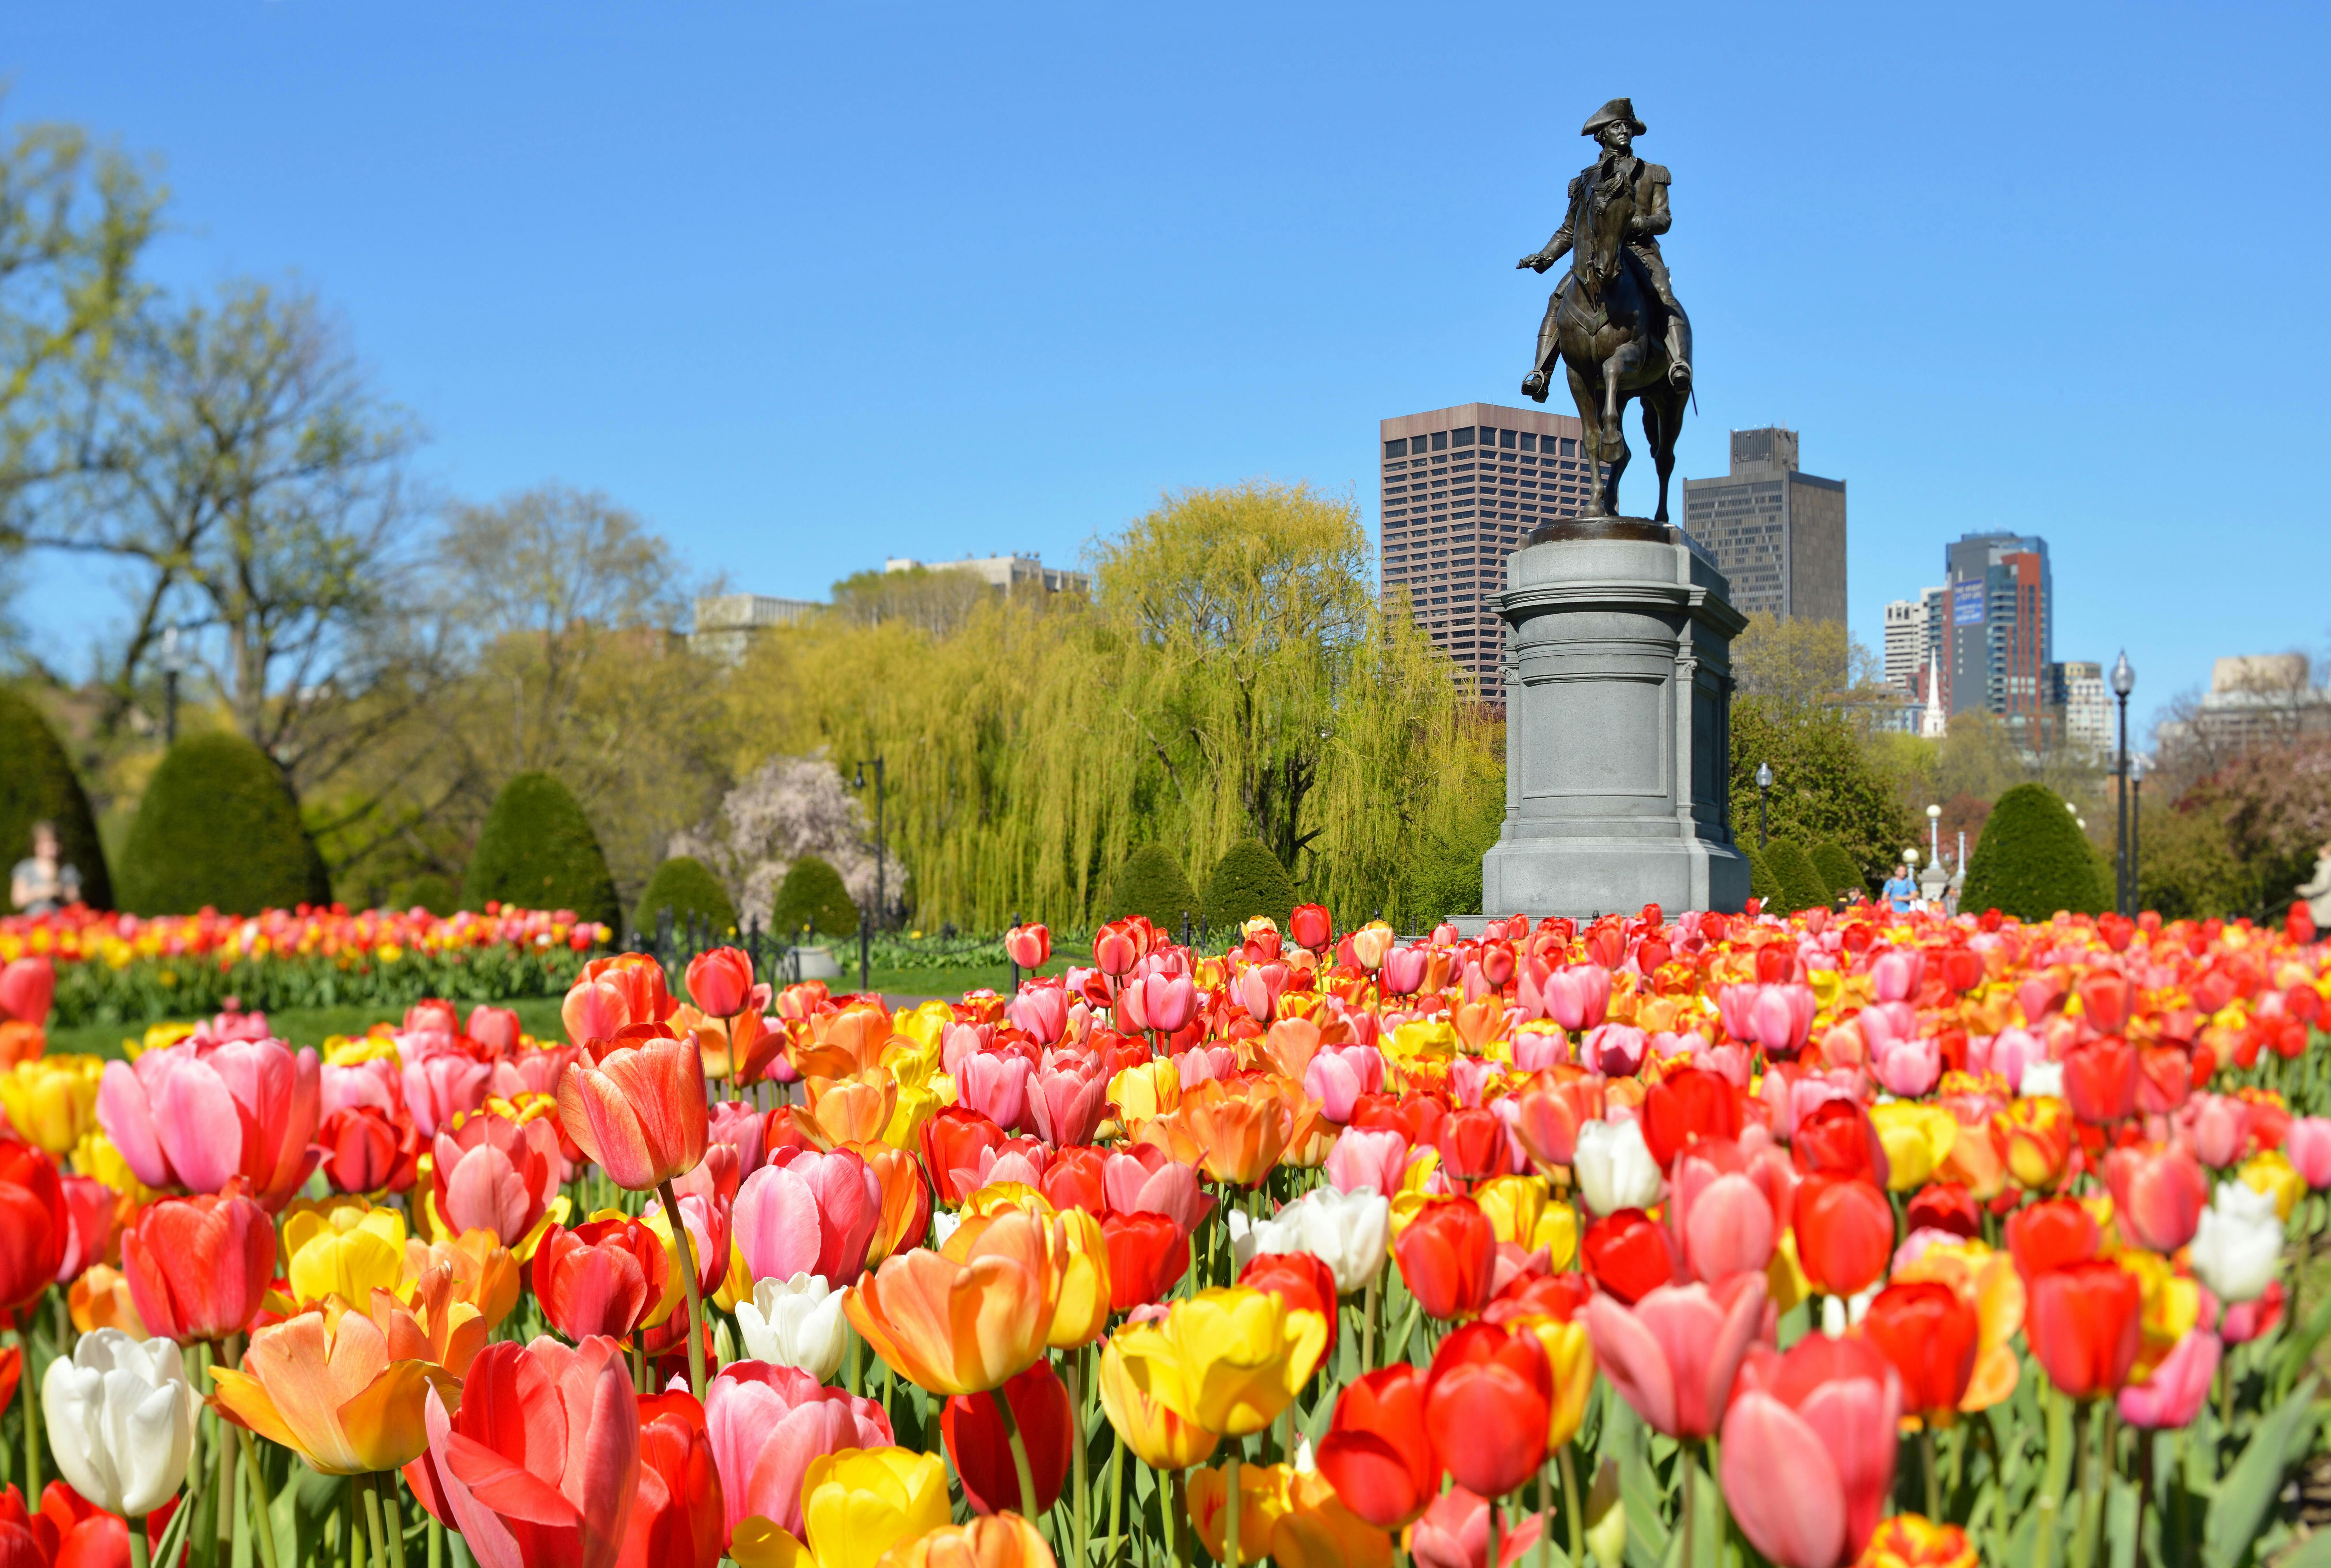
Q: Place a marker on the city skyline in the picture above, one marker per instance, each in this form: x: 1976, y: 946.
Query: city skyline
x: 694, y: 267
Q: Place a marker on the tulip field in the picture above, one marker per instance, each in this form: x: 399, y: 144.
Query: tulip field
x: 1896, y: 1241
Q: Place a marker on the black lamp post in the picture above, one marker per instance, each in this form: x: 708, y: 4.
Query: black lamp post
x: 174, y: 663
x: 865, y: 925
x: 1763, y: 782
x: 2135, y: 821
x: 2123, y: 681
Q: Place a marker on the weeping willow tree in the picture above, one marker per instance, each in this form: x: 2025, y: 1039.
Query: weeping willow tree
x: 1232, y: 675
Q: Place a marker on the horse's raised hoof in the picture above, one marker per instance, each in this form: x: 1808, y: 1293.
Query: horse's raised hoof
x: 1679, y: 378
x: 1534, y: 385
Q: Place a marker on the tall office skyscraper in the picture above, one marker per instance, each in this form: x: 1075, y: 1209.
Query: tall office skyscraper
x: 1914, y: 629
x: 1461, y: 487
x: 2000, y: 628
x: 1777, y: 533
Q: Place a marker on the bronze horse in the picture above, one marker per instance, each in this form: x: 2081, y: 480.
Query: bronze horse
x: 1609, y: 335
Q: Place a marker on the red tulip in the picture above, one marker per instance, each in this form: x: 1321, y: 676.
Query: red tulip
x: 981, y: 1450
x: 1931, y: 1335
x: 1117, y: 947
x: 35, y: 1228
x: 2100, y: 1081
x: 2085, y: 1324
x: 1627, y: 1254
x: 1300, y: 1280
x: 953, y: 1140
x: 368, y: 1150
x: 602, y: 1277
x: 638, y: 1112
x: 1836, y: 1138
x: 1311, y: 927
x: 2051, y: 1234
x: 1447, y: 1258
x: 1148, y: 1256
x: 1809, y: 1445
x: 614, y: 993
x: 1560, y: 1297
x: 1687, y: 1105
x: 1486, y: 1406
x: 27, y: 986
x: 1076, y: 1177
x: 1472, y: 1144
x: 198, y: 1267
x: 1379, y: 1453
x: 1672, y: 1357
x: 1845, y: 1233
x: 540, y: 1466
x: 495, y: 1028
x: 2158, y: 1195
x: 2104, y: 1001
x: 1944, y: 1206
x: 720, y: 982
x: 677, y: 1518
x: 1028, y: 947
x: 496, y: 1173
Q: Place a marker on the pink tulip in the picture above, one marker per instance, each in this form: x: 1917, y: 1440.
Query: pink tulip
x: 1723, y: 1219
x: 2173, y: 1395
x: 1134, y: 1184
x: 1068, y: 1101
x: 1257, y: 987
x: 741, y: 1128
x: 2013, y: 1051
x: 1614, y: 1049
x: 1367, y: 1157
x: 1910, y: 1067
x: 1339, y: 1074
x: 2158, y: 1195
x: 1028, y: 946
x: 440, y: 1083
x: 1736, y: 1008
x: 495, y: 1028
x: 994, y: 1083
x: 806, y: 1212
x: 1809, y: 1443
x: 711, y: 1222
x: 1403, y: 970
x: 89, y: 1216
x: 2036, y: 995
x: 196, y: 1116
x: 1205, y: 1064
x: 1577, y: 996
x: 1895, y: 973
x: 27, y: 987
x: 1782, y: 1018
x: 767, y: 1424
x: 1454, y: 1533
x: 498, y: 1174
x: 1160, y: 1001
x: 2307, y: 1145
x: 1041, y: 1011
x: 374, y: 1082
x: 1672, y: 1357
x: 1536, y: 1050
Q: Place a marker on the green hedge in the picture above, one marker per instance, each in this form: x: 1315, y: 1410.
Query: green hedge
x: 1247, y: 881
x: 812, y: 894
x: 1836, y: 868
x: 1762, y: 883
x: 687, y: 887
x: 37, y: 784
x: 1792, y: 871
x: 1151, y: 883
x: 151, y: 989
x: 2032, y: 860
x: 537, y: 850
x: 218, y: 828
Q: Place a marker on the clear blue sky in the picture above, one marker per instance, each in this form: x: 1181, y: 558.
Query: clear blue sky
x: 807, y: 287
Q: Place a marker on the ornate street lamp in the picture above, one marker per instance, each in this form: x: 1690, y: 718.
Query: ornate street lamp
x: 2123, y: 681
x: 866, y: 922
x: 1934, y: 834
x: 1763, y: 782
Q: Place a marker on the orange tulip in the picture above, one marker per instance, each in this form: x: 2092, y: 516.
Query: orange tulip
x: 337, y: 1394
x: 906, y: 1199
x: 485, y: 1272
x: 963, y: 1321
x: 612, y: 993
x: 856, y: 1110
x: 638, y: 1112
x: 989, y: 1541
x: 1240, y: 1130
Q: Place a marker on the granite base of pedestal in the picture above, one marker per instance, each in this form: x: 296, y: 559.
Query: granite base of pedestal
x: 1618, y: 682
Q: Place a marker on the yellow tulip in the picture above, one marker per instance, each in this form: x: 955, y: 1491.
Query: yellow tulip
x: 1159, y: 1436
x: 1145, y: 1092
x: 1081, y: 1290
x: 856, y: 1110
x: 345, y: 1248
x: 1318, y: 1532
x: 915, y: 1105
x: 1262, y: 1503
x: 52, y: 1101
x: 1917, y: 1136
x: 157, y: 1037
x: 998, y: 1196
x: 1229, y: 1359
x: 2172, y: 1306
x: 1570, y: 1358
x: 101, y: 1298
x: 333, y: 1393
x: 858, y: 1504
x: 2270, y: 1171
x: 1522, y: 1210
x: 1784, y: 1278
x: 485, y: 1272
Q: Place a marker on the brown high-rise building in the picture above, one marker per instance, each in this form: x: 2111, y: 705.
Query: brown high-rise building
x: 1777, y: 533
x: 1461, y: 487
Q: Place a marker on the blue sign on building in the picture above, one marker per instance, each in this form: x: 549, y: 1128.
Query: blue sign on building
x: 1966, y: 603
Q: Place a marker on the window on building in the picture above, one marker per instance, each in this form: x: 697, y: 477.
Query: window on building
x: 1529, y: 442
x: 1461, y: 437
x: 1397, y: 448
x: 1441, y: 440
x: 1569, y: 447
x: 1506, y: 438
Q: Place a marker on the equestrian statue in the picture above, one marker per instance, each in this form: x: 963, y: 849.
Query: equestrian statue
x: 1613, y: 326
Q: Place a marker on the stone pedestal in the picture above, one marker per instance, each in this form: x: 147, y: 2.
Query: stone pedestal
x: 1618, y: 678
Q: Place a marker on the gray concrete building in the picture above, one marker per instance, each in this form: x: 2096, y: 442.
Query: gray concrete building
x: 1777, y: 533
x: 725, y: 624
x: 1462, y: 486
x: 1008, y: 574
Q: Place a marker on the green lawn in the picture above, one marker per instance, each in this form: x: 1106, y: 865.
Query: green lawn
x: 539, y: 1015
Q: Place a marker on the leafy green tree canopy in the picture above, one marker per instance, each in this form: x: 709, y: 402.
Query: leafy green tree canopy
x: 1823, y: 786
x: 37, y: 784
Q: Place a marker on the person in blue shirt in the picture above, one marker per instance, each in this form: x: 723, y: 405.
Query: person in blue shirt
x: 1900, y: 891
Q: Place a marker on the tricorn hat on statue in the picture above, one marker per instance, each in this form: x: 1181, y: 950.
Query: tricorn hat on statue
x: 1619, y: 111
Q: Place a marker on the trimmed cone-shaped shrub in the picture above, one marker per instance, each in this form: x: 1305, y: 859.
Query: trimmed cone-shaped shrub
x: 538, y: 851
x: 218, y: 828
x: 1247, y: 881
x: 1151, y: 883
x: 1762, y: 884
x: 37, y: 784
x: 812, y: 894
x: 429, y: 891
x: 686, y: 886
x: 2032, y: 860
x: 1836, y: 868
x: 1792, y: 869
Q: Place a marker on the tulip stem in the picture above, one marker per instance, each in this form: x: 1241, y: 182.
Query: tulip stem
x: 138, y: 1557
x: 1076, y: 1359
x: 1116, y: 1493
x: 1172, y: 1499
x: 1369, y: 1326
x: 1027, y: 1476
x: 1690, y: 1508
x: 695, y: 1293
x: 392, y: 1517
x: 262, y: 1515
x: 370, y: 1486
x: 28, y: 1390
x: 1934, y: 1477
x: 1231, y: 1511
x: 1573, y: 1506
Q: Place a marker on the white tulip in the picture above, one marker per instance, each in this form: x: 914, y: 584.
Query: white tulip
x: 2042, y: 1078
x: 1615, y: 1167
x: 2240, y: 1243
x: 122, y: 1420
x: 1351, y: 1232
x: 796, y: 1322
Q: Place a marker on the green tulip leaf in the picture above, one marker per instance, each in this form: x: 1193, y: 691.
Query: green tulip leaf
x: 2249, y: 1489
